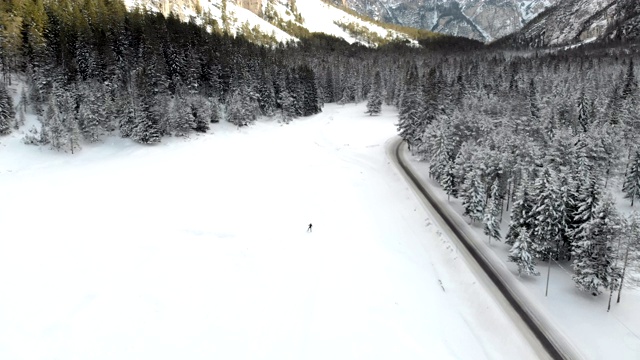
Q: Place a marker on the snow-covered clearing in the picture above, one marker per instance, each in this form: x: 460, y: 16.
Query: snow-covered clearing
x: 197, y: 248
x: 581, y: 317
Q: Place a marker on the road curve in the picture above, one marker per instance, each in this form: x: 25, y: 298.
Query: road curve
x: 550, y: 339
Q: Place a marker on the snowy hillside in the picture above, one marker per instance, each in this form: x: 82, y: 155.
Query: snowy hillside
x: 581, y: 21
x: 276, y: 18
x: 477, y: 19
x: 197, y: 248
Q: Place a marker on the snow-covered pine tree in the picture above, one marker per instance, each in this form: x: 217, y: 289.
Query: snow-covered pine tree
x: 438, y: 148
x: 54, y: 125
x: 91, y: 113
x: 181, y: 119
x: 630, y: 87
x: 240, y: 108
x: 473, y: 196
x: 431, y: 90
x: 374, y: 102
x: 73, y: 133
x: 631, y: 251
x: 266, y: 95
x: 588, y: 196
x: 521, y: 212
x: 201, y: 111
x: 146, y: 129
x: 409, y: 126
x: 584, y: 112
x: 568, y: 197
x: 594, y: 251
x: 534, y: 104
x: 520, y: 254
x: 145, y: 122
x: 7, y: 112
x: 548, y: 216
x: 631, y: 186
x: 448, y: 180
x: 492, y: 214
x: 309, y: 99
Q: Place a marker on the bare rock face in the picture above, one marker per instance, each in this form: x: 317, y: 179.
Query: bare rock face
x: 254, y: 6
x: 484, y: 20
x: 576, y: 21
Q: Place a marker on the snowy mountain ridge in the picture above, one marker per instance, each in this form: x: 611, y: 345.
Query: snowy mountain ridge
x: 580, y: 21
x: 280, y: 20
x: 484, y: 20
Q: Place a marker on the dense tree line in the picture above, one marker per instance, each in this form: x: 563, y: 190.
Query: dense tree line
x: 545, y: 139
x: 94, y: 68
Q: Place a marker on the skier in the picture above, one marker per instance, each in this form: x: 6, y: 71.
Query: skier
x: 309, y: 228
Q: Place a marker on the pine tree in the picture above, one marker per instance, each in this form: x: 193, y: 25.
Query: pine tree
x: 241, y: 109
x: 548, y: 216
x: 73, y: 133
x: 91, y: 114
x: 7, y: 113
x: 181, y: 119
x: 594, y: 252
x: 473, y: 196
x: 584, y: 112
x: 201, y: 112
x: 374, y: 103
x: 409, y: 126
x: 632, y: 244
x: 630, y: 87
x: 438, y: 148
x: 309, y: 100
x: 631, y: 186
x: 521, y: 255
x: 448, y: 180
x: 588, y: 197
x: 521, y: 213
x: 491, y: 214
x: 54, y: 125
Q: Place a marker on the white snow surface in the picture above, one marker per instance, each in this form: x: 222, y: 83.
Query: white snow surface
x: 197, y: 249
x: 581, y: 317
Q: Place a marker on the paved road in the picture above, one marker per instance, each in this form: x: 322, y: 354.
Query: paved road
x: 552, y: 343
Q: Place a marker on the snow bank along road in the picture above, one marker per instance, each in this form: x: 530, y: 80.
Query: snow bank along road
x: 197, y: 249
x: 553, y: 342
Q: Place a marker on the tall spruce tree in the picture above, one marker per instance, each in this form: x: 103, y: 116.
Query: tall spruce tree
x: 7, y: 113
x: 473, y: 196
x: 548, y: 216
x: 631, y: 186
x: 374, y: 102
x: 521, y: 213
x: 594, y: 252
x: 409, y: 125
x: 521, y: 254
x: 492, y: 213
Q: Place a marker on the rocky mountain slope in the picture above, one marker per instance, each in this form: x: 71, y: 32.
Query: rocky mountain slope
x: 272, y: 21
x: 579, y: 21
x: 484, y: 20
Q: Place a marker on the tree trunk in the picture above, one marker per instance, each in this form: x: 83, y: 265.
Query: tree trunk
x: 624, y: 270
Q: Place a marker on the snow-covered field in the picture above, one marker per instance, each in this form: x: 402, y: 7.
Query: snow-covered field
x: 197, y: 249
x: 581, y: 317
